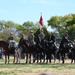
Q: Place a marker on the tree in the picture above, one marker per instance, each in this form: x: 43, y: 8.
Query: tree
x: 63, y: 23
x: 30, y: 26
x: 2, y: 25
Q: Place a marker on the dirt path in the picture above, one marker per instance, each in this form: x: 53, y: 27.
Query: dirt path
x: 38, y: 71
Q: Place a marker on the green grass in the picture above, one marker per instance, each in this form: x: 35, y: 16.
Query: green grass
x: 63, y: 66
x: 11, y: 65
x: 15, y: 69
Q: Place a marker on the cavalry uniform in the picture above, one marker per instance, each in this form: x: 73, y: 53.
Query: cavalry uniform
x: 10, y: 38
x: 64, y: 43
x: 11, y: 41
x: 64, y: 40
x: 51, y: 40
x: 41, y: 36
x: 21, y: 40
x: 31, y: 38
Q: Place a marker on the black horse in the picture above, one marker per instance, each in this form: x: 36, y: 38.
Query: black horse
x: 72, y: 52
x: 51, y: 50
x: 7, y: 50
x: 28, y: 49
x: 64, y: 49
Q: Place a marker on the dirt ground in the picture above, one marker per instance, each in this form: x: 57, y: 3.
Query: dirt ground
x: 38, y: 71
x: 50, y: 71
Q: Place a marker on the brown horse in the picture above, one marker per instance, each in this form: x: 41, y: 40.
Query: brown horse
x: 7, y: 51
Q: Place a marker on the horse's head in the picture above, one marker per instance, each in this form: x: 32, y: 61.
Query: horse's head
x: 3, y: 43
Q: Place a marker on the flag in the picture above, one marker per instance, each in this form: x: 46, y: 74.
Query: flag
x: 41, y: 21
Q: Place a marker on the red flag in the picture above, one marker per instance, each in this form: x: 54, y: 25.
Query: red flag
x: 41, y: 21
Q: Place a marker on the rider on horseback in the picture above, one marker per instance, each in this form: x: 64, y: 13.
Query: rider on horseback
x: 65, y: 38
x: 10, y: 40
x: 52, y: 39
x: 41, y: 36
x: 64, y: 41
x: 21, y: 40
x: 31, y: 38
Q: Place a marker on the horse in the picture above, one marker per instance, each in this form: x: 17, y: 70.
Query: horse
x: 7, y: 50
x: 64, y: 50
x: 50, y: 51
x: 40, y: 52
x: 27, y: 49
x: 72, y: 52
x: 36, y: 50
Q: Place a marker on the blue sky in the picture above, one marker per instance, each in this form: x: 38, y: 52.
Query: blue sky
x: 20, y: 11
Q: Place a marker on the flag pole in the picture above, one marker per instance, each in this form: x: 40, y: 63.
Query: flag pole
x: 40, y: 26
x: 41, y: 21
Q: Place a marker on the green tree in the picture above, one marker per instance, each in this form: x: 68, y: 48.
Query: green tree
x: 2, y: 24
x: 63, y: 23
x: 30, y: 26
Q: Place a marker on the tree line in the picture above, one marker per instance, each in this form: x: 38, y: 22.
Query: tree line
x: 60, y: 23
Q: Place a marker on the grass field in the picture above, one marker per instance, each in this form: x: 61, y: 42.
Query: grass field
x: 36, y: 69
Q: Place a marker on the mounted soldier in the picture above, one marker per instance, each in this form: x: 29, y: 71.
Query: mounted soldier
x: 41, y: 36
x: 31, y: 38
x: 52, y: 40
x: 52, y: 37
x: 64, y: 40
x: 11, y: 41
x: 21, y: 40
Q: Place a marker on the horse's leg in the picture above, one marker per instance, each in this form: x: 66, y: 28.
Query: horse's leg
x: 40, y: 57
x: 44, y: 58
x: 29, y: 55
x: 63, y: 57
x: 72, y: 58
x: 8, y: 58
x: 19, y: 57
x: 50, y: 57
x: 37, y: 57
x: 16, y: 55
x: 14, y: 58
x: 26, y: 58
x: 54, y: 57
x: 34, y: 57
x: 5, y: 58
x: 58, y: 56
